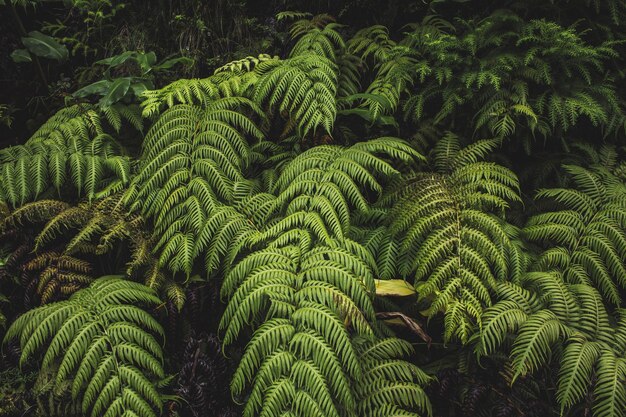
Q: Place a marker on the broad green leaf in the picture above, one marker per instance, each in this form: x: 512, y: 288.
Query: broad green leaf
x: 116, y: 60
x: 146, y: 61
x: 140, y: 86
x: 98, y: 88
x: 118, y: 90
x: 167, y: 64
x: 45, y: 46
x: 21, y: 55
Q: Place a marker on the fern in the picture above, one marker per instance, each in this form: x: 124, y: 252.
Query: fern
x: 609, y: 392
x: 586, y: 235
x: 302, y: 357
x: 564, y: 317
x: 570, y: 287
x: 69, y: 232
x: 265, y: 177
x: 57, y: 274
x: 577, y: 366
x: 452, y: 247
x: 247, y: 64
x: 333, y: 181
x: 313, y: 288
x: 47, y: 274
x: 303, y: 86
x: 199, y: 91
x: 379, y: 392
x: 104, y: 342
x: 117, y: 113
x: 394, y: 69
x: 191, y: 161
x: 504, y: 71
x: 72, y: 148
x: 320, y: 42
x: 372, y: 41
x: 302, y: 25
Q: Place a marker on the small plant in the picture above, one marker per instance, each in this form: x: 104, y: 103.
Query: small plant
x: 6, y: 114
x: 126, y: 77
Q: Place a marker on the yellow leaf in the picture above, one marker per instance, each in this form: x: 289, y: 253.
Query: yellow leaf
x: 393, y: 288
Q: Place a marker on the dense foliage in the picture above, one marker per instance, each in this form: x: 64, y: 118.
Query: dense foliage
x: 420, y: 212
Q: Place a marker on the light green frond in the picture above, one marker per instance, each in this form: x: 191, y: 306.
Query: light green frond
x: 113, y: 361
x: 453, y: 247
x: 610, y: 392
x: 199, y: 92
x: 586, y: 233
x: 498, y: 321
x: 70, y: 145
x: 192, y: 160
x: 532, y: 347
x: 304, y: 87
x: 576, y: 367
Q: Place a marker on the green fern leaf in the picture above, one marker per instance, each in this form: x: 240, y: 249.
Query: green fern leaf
x: 105, y: 342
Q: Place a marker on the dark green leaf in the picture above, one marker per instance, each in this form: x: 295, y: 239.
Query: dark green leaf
x: 146, y: 61
x: 98, y: 88
x: 116, y: 60
x: 21, y: 55
x: 45, y: 46
x: 165, y: 65
x: 140, y: 86
x: 118, y: 90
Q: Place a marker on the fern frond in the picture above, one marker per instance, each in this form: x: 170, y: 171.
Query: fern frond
x: 302, y: 26
x: 246, y: 64
x: 532, y: 346
x: 199, y: 92
x: 374, y: 41
x: 306, y: 291
x: 192, y: 159
x: 587, y: 232
x: 311, y: 301
x: 304, y: 86
x: 106, y: 343
x: 321, y: 42
x: 576, y: 367
x: 455, y: 249
x: 609, y: 392
x: 70, y: 145
x: 378, y: 391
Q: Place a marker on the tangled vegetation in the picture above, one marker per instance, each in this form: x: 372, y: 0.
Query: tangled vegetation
x: 411, y: 214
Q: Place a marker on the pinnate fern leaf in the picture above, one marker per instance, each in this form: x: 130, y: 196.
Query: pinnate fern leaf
x: 101, y: 340
x: 453, y: 247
